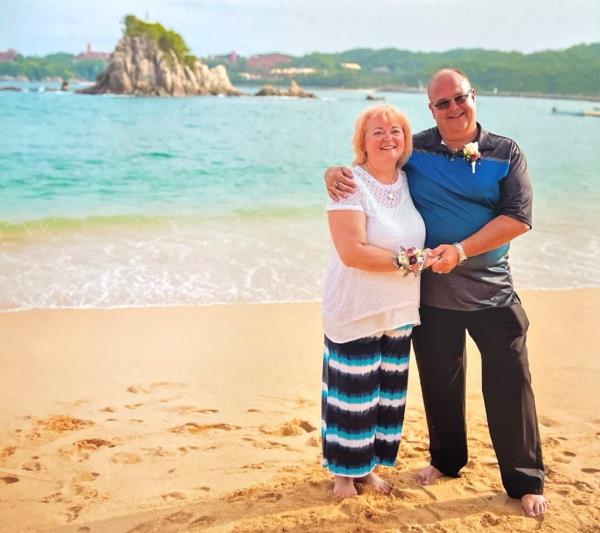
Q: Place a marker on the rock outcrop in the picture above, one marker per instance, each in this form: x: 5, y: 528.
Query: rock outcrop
x: 138, y: 66
x: 293, y: 90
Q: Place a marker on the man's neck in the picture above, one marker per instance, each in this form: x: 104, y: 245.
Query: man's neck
x: 458, y: 144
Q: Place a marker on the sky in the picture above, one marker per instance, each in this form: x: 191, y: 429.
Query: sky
x: 297, y: 27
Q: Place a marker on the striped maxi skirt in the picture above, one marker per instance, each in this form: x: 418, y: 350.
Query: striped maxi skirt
x: 363, y: 401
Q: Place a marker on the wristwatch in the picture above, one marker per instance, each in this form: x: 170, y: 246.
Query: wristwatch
x: 462, y: 256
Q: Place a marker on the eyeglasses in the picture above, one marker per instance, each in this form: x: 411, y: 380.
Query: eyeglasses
x: 458, y: 100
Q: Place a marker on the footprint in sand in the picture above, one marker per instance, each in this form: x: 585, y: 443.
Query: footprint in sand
x: 488, y: 519
x: 193, y: 429
x: 189, y: 409
x: 253, y: 466
x: 93, y: 444
x: 547, y: 421
x: 9, y: 479
x: 269, y: 444
x: 252, y: 410
x: 178, y: 518
x: 62, y: 423
x: 85, y: 476
x: 73, y: 512
x: 160, y: 452
x: 202, y: 521
x: 7, y: 451
x: 160, y: 385
x: 53, y: 498
x: 107, y: 409
x: 270, y: 496
x: 583, y: 486
x: 125, y: 458
x: 564, y: 492
x: 590, y: 470
x: 134, y: 389
x: 203, y: 488
x: 133, y: 405
x: 289, y: 429
x: 32, y: 466
x: 313, y: 442
x: 173, y: 496
x: 85, y: 491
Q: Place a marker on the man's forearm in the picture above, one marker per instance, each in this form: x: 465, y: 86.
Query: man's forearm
x: 495, y: 233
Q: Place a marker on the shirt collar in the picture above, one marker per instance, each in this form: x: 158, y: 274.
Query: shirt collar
x: 482, y: 137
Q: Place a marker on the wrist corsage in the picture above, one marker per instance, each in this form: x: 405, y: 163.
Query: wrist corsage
x: 409, y: 260
x: 471, y: 154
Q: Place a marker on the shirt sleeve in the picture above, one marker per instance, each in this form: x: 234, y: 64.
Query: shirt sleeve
x: 516, y: 193
x: 352, y: 202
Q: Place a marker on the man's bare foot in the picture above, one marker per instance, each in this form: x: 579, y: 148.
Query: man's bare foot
x: 343, y: 487
x: 428, y: 475
x: 534, y: 504
x: 381, y: 486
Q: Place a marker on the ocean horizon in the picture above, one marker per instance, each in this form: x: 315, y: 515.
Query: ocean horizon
x: 110, y: 201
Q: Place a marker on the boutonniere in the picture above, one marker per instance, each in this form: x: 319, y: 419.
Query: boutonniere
x: 471, y: 154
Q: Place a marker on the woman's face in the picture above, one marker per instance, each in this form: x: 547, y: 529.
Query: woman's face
x: 384, y: 140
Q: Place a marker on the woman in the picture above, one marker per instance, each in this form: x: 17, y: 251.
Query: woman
x: 370, y: 304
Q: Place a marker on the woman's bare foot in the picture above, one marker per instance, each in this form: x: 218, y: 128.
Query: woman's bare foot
x: 343, y: 487
x: 381, y: 486
x: 428, y: 475
x: 534, y: 504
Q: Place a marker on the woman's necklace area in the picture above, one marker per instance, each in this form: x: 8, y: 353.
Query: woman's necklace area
x: 389, y: 194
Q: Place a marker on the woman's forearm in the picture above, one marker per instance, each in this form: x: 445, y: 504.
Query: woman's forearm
x: 367, y: 257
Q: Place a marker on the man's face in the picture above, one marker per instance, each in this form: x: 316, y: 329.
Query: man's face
x: 459, y: 119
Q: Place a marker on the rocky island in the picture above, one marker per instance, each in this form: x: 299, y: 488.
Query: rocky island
x: 294, y: 90
x: 152, y: 61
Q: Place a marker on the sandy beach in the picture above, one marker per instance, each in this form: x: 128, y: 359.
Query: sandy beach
x: 206, y: 419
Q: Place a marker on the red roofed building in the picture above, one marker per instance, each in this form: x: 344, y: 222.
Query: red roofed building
x: 265, y: 63
x: 91, y: 54
x: 8, y: 55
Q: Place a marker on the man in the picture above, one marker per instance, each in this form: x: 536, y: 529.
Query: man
x: 471, y: 211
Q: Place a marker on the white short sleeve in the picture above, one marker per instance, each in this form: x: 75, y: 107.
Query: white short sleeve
x: 352, y: 202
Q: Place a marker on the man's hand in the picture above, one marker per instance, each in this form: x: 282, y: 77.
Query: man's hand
x: 447, y: 258
x: 339, y: 182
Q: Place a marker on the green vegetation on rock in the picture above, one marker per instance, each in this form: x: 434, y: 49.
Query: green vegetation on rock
x: 167, y: 40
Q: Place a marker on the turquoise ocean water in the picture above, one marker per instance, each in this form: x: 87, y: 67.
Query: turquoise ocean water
x: 110, y: 201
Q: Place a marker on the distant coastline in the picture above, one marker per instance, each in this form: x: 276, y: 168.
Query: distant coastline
x: 572, y: 73
x: 380, y: 89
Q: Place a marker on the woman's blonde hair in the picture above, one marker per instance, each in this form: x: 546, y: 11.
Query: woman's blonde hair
x: 390, y: 113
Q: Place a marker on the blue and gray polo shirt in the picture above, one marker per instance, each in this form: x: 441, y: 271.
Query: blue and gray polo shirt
x: 455, y: 203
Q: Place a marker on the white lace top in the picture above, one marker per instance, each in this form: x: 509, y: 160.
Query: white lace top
x: 357, y: 303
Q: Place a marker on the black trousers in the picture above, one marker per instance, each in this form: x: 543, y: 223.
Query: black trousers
x: 500, y: 334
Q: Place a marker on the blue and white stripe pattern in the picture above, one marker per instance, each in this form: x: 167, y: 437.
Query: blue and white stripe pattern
x: 363, y: 401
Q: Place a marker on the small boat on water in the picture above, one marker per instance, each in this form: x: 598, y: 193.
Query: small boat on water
x: 595, y: 112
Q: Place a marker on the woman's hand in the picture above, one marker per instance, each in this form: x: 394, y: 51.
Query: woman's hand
x: 430, y: 259
x: 339, y: 182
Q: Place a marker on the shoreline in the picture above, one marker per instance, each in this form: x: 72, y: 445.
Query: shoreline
x: 419, y: 90
x: 206, y: 418
x: 183, y: 306
x: 374, y: 88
